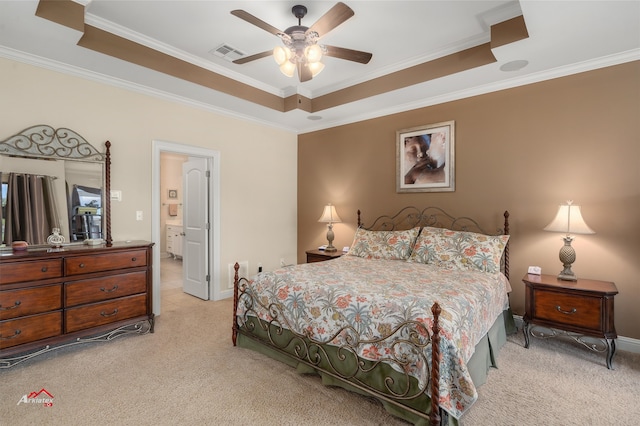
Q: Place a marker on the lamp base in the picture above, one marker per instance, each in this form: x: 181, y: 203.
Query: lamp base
x: 567, y: 257
x: 565, y: 277
x: 330, y: 249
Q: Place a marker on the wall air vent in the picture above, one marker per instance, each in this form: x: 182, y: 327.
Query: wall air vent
x: 227, y: 52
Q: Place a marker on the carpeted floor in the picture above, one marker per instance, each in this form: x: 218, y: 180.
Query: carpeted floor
x: 188, y: 372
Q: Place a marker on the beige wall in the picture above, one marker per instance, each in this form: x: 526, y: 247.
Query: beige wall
x: 525, y: 150
x: 250, y: 228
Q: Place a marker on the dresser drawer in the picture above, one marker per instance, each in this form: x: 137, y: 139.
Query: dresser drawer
x: 16, y: 272
x: 29, y: 329
x: 99, y: 289
x: 575, y: 310
x: 97, y: 314
x: 30, y: 301
x: 104, y: 262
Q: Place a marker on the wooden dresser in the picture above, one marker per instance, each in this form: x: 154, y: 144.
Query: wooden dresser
x: 53, y: 297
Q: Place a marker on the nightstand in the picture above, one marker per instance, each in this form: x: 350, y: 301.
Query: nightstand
x: 581, y: 309
x: 321, y: 255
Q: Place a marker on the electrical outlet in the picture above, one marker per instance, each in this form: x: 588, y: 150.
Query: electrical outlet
x: 139, y: 215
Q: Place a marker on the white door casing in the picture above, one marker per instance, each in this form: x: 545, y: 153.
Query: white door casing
x: 195, y: 224
x: 214, y: 215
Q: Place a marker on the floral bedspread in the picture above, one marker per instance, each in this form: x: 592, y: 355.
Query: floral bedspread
x: 374, y: 296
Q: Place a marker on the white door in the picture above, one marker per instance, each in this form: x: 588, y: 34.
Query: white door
x: 195, y: 258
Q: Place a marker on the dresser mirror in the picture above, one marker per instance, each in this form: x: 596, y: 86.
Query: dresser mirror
x: 54, y: 182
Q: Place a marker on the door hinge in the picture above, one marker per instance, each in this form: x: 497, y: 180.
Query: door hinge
x: 208, y: 278
x: 207, y: 174
x: 206, y: 226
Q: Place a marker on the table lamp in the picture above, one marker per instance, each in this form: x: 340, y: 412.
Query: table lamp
x: 330, y: 216
x: 569, y: 221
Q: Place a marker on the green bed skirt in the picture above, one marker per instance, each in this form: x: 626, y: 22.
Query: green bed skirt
x: 484, y: 357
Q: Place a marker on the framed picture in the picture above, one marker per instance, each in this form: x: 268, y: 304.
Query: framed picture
x: 173, y: 193
x: 425, y: 158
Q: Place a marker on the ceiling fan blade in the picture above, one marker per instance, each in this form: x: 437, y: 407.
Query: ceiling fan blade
x: 334, y: 17
x: 304, y: 73
x: 253, y: 57
x: 257, y: 22
x: 348, y: 54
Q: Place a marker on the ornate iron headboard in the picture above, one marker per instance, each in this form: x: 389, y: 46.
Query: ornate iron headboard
x: 411, y: 217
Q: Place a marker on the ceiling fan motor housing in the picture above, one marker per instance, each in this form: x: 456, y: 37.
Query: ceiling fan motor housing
x: 299, y: 11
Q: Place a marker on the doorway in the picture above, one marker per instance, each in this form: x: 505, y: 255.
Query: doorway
x: 159, y: 149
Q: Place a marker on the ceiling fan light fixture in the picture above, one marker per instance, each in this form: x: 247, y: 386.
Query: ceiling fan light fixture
x: 313, y: 53
x: 288, y: 68
x: 315, y: 68
x: 281, y: 55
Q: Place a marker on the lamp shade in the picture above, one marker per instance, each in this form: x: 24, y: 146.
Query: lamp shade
x: 329, y: 215
x: 569, y: 220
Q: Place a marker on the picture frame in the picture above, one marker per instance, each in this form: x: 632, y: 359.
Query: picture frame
x: 425, y: 158
x: 173, y: 193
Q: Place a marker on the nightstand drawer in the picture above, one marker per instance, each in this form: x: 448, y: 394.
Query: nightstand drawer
x: 575, y: 310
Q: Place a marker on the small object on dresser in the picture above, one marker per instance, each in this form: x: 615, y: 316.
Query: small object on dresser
x: 535, y: 270
x: 19, y: 245
x: 323, y: 247
x: 94, y: 241
x: 55, y: 239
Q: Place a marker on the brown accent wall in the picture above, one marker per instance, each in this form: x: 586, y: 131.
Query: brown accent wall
x: 525, y: 150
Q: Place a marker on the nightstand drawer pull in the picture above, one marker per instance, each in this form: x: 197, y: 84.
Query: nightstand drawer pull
x: 104, y: 314
x: 114, y: 288
x: 15, y: 334
x: 571, y: 312
x: 15, y: 305
x: 44, y: 269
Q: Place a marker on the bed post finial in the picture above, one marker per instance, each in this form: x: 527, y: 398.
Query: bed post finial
x: 434, y: 417
x: 359, y: 221
x: 234, y: 326
x: 506, y: 248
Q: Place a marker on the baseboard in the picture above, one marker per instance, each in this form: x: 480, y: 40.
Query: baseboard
x: 626, y: 344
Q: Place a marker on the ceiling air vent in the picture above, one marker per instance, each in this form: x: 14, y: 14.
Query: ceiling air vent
x: 227, y: 52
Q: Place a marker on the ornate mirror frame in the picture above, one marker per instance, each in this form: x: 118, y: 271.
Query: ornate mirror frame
x: 45, y: 142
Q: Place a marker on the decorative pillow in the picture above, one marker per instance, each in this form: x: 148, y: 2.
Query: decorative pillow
x: 390, y: 245
x: 459, y: 249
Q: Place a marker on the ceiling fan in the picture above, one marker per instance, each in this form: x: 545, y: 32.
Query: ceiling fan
x: 301, y: 50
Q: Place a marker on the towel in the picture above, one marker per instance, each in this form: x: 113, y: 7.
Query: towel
x: 173, y: 210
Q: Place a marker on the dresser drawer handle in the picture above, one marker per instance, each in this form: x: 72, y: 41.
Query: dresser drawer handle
x: 81, y: 265
x: 44, y: 269
x: 114, y: 288
x: 104, y: 314
x: 15, y: 305
x: 15, y: 334
x: 133, y: 259
x: 571, y: 312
